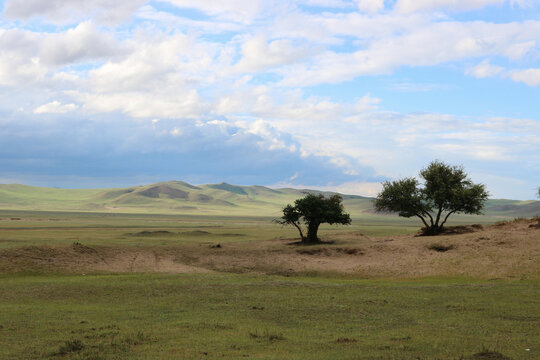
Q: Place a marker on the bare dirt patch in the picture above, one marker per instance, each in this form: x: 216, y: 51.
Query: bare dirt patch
x: 86, y: 259
x: 507, y: 250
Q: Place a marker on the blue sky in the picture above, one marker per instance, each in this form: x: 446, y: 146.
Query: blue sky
x: 329, y: 94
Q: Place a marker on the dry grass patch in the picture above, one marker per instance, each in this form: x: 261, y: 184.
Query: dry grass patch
x: 504, y: 250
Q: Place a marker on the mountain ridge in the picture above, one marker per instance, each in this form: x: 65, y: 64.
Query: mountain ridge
x: 179, y: 197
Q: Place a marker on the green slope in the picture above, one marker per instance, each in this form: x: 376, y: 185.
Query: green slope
x: 178, y: 197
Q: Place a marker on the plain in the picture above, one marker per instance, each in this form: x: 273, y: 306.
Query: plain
x: 116, y: 286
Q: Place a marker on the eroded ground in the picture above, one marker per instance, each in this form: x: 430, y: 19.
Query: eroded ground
x: 505, y: 250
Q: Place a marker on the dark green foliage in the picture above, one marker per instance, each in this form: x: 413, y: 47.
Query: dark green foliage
x: 446, y: 190
x: 313, y: 210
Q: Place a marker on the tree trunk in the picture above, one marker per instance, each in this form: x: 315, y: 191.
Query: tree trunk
x: 312, y: 234
x: 432, y: 230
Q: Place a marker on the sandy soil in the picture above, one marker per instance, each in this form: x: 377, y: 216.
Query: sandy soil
x: 506, y: 250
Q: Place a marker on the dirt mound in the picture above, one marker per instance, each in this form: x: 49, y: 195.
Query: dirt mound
x: 510, y: 250
x: 535, y: 223
x: 518, y: 223
x: 151, y: 233
x: 489, y: 355
x: 86, y: 259
x: 462, y: 229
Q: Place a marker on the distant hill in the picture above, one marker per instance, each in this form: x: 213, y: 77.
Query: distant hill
x: 178, y: 197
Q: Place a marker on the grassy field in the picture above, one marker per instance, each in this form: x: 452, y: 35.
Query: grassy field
x: 59, y: 302
x: 23, y: 228
x: 149, y: 316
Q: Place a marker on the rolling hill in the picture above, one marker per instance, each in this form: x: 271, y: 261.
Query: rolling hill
x: 178, y: 197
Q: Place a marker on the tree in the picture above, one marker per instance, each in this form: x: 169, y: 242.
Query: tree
x: 446, y: 190
x: 311, y: 211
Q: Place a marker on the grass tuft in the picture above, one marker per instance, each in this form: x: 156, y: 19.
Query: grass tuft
x: 266, y: 336
x: 70, y: 346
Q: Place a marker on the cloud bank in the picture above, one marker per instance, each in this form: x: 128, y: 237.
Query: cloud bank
x: 338, y: 94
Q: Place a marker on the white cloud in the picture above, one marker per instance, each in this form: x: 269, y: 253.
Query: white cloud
x: 326, y: 3
x: 258, y: 54
x: 158, y: 79
x: 29, y: 57
x: 485, y: 70
x: 71, y: 11
x: 82, y: 43
x: 166, y: 19
x: 16, y: 69
x: 421, y: 47
x: 530, y: 77
x: 480, y: 152
x: 141, y: 105
x: 366, y: 103
x: 55, y: 107
x: 242, y: 11
x: 370, y: 6
x: 362, y: 188
x: 249, y: 66
x: 408, y: 6
x: 370, y: 189
x: 518, y: 50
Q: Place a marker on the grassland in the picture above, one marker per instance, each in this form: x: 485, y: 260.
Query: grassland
x: 227, y: 316
x: 81, y: 285
x: 177, y: 197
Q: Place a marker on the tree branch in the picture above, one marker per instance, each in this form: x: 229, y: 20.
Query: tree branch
x: 423, y: 220
x: 299, y: 230
x: 430, y: 217
x: 446, y: 218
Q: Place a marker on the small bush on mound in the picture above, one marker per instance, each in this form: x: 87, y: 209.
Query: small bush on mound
x: 440, y: 248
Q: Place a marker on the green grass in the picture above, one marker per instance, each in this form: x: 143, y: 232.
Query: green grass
x: 64, y: 228
x: 236, y: 316
x: 263, y: 317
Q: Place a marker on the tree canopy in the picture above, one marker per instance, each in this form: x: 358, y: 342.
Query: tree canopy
x: 446, y: 190
x: 311, y: 211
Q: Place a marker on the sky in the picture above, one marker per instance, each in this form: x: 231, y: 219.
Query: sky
x: 327, y: 94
